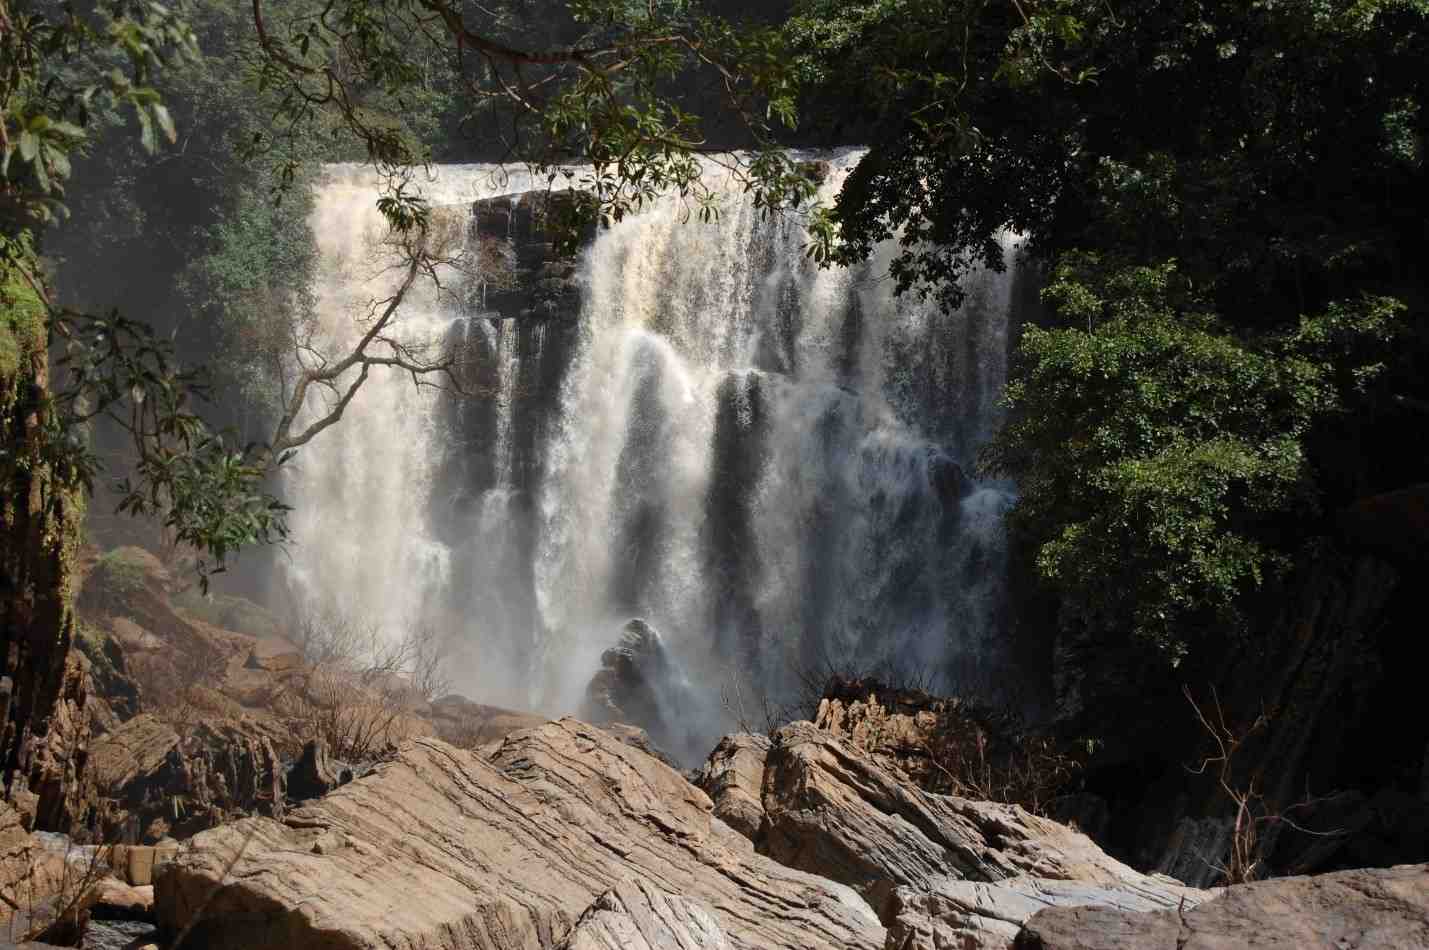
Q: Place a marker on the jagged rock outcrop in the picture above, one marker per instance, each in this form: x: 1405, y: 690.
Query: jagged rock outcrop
x: 40, y: 516
x: 1347, y: 910
x: 911, y: 730
x: 526, y: 274
x: 164, y: 783
x: 57, y: 756
x: 832, y: 810
x: 733, y: 778
x: 445, y: 848
x: 636, y: 916
x: 640, y: 683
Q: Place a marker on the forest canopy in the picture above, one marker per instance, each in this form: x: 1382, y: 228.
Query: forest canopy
x: 1226, y: 197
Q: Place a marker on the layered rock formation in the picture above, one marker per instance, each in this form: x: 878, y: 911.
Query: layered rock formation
x: 1348, y: 910
x: 445, y: 848
x: 635, y: 916
x: 830, y: 809
x: 940, y: 871
x: 563, y: 836
x: 162, y: 783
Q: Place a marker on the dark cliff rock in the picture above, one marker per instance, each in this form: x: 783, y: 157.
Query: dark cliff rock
x: 314, y: 774
x: 1333, y: 664
x: 527, y: 254
x: 43, y: 731
x: 522, y: 302
x: 639, y: 683
x: 155, y: 781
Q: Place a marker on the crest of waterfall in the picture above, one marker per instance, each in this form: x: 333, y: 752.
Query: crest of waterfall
x: 767, y: 461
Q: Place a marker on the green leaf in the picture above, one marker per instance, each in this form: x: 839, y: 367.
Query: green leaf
x: 146, y: 130
x: 166, y: 121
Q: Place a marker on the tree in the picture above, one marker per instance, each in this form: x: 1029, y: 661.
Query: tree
x: 608, y: 97
x: 1218, y: 191
x: 1161, y: 456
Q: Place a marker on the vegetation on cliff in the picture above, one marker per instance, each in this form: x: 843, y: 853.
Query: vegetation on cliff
x: 1229, y: 199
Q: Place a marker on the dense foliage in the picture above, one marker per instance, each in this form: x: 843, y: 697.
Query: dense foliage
x: 207, y: 239
x: 1230, y: 198
x: 1162, y: 455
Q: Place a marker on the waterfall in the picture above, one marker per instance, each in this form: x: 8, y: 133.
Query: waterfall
x: 768, y: 461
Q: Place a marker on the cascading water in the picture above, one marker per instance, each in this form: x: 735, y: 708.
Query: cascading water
x: 762, y: 458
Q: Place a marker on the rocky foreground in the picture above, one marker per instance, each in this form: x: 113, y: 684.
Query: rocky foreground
x: 565, y: 836
x: 483, y: 828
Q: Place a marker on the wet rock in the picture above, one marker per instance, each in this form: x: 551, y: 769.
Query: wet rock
x: 442, y: 847
x: 640, y: 683
x: 947, y: 479
x: 527, y: 272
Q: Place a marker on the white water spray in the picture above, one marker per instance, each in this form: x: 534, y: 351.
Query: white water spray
x: 760, y: 457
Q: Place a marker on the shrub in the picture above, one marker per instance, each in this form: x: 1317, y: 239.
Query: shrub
x: 1161, y: 456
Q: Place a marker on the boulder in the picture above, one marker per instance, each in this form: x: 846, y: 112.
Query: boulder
x: 971, y: 915
x: 219, y: 769
x: 135, y: 863
x: 1346, y: 910
x: 116, y: 900
x: 466, y: 724
x: 446, y: 848
x: 831, y: 809
x: 733, y: 778
x: 30, y: 875
x: 636, y: 916
x: 641, y: 684
x: 119, y: 935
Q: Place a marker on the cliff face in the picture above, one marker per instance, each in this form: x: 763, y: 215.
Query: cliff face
x: 41, y: 683
x: 1331, y: 668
